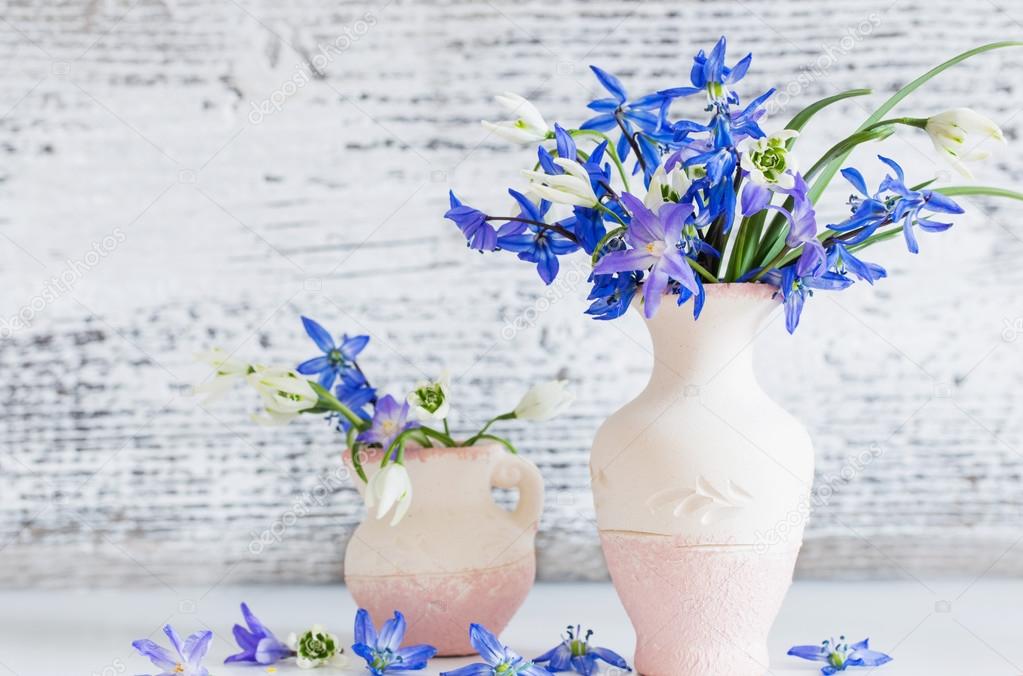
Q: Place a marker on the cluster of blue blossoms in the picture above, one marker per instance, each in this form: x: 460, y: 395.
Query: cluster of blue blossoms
x: 721, y: 201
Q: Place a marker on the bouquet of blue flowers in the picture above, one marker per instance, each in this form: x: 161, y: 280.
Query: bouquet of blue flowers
x: 714, y: 201
x: 333, y: 384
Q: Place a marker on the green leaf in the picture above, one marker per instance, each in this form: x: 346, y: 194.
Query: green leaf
x: 802, y: 117
x: 968, y: 190
x: 829, y: 172
x: 846, y: 146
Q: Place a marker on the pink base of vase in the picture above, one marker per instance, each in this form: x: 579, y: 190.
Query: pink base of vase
x: 698, y: 610
x: 440, y: 607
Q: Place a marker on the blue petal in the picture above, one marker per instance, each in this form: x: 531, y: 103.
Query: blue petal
x: 477, y: 669
x: 365, y: 633
x: 869, y: 658
x: 809, y: 652
x: 609, y: 656
x: 174, y: 639
x: 157, y: 654
x: 392, y: 633
x: 486, y: 644
x: 584, y: 664
x: 314, y: 366
x: 895, y: 167
x: 352, y: 346
x: 941, y: 203
x: 565, y: 143
x: 603, y: 105
x: 270, y: 650
x: 601, y: 122
x: 739, y: 70
x: 856, y: 178
x: 196, y: 646
x: 610, y: 83
x: 414, y: 657
x: 319, y: 334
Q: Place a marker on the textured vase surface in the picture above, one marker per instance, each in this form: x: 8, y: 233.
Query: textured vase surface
x: 457, y: 557
x: 701, y: 486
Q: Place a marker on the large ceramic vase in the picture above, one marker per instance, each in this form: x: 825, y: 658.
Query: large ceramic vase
x: 457, y: 557
x: 701, y: 485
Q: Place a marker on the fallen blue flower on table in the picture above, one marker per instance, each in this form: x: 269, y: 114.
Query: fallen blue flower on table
x: 839, y: 655
x: 575, y: 654
x: 187, y: 661
x: 498, y: 659
x: 258, y: 644
x: 383, y: 653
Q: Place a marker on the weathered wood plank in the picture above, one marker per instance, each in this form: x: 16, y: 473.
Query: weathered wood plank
x: 242, y: 187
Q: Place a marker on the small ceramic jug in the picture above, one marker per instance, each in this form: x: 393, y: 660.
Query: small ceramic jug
x: 457, y: 557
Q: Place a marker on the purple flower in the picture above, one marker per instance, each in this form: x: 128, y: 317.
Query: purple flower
x: 258, y: 644
x: 187, y: 657
x: 480, y: 235
x: 655, y: 240
x: 839, y: 655
x: 576, y: 654
x: 336, y: 360
x: 383, y: 653
x: 389, y: 420
x: 498, y: 659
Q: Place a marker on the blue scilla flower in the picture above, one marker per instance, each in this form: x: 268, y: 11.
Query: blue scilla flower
x: 533, y: 241
x: 575, y: 654
x: 612, y: 294
x: 337, y: 359
x: 479, y: 233
x: 839, y: 655
x: 800, y: 279
x: 498, y: 659
x: 842, y: 261
x: 643, y: 120
x: 383, y: 652
x: 354, y: 392
x: 186, y: 660
x: 893, y: 202
x: 258, y: 644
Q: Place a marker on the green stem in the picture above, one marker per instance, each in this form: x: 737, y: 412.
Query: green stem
x: 603, y: 242
x: 504, y: 442
x: 608, y: 211
x: 702, y: 271
x: 328, y: 402
x: 971, y: 190
x: 829, y: 173
x: 476, y: 437
x: 612, y: 151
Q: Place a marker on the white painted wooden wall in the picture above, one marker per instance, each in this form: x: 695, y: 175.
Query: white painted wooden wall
x: 138, y: 164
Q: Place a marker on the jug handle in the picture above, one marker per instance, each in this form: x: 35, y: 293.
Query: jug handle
x: 514, y: 471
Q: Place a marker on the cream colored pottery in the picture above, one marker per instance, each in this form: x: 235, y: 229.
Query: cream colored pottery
x: 700, y: 485
x: 457, y: 557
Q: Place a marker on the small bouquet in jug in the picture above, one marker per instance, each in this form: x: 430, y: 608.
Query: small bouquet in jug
x: 333, y: 384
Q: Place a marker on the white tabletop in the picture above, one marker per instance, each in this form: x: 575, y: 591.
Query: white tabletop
x: 953, y: 627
